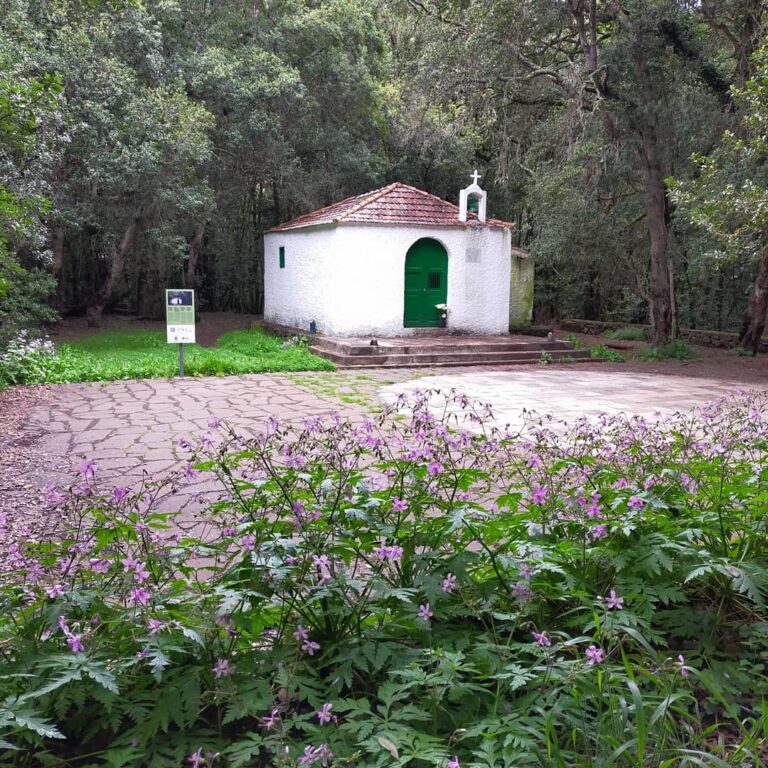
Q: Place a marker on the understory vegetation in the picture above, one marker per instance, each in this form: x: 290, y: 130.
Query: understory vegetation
x: 112, y: 355
x: 420, y: 591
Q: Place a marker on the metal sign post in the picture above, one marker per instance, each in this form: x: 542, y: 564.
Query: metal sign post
x: 180, y: 320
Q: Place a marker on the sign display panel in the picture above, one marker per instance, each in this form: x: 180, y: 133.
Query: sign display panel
x: 180, y: 315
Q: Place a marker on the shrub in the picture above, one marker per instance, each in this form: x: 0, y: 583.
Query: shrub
x: 25, y: 359
x: 405, y: 592
x: 605, y: 353
x: 575, y: 340
x: 678, y: 349
x: 627, y: 334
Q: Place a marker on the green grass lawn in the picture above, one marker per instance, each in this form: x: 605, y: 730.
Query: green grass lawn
x: 112, y: 355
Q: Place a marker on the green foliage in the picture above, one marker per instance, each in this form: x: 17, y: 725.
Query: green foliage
x: 627, y: 334
x: 575, y: 340
x: 107, y: 356
x: 606, y: 353
x: 679, y: 349
x: 405, y: 593
x: 729, y: 194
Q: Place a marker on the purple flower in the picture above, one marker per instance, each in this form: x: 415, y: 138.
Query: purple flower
x: 301, y: 634
x: 613, y: 602
x: 99, y: 566
x: 53, y: 498
x: 189, y: 472
x: 425, y: 612
x: 598, y: 531
x: 312, y: 755
x: 196, y: 760
x: 271, y: 721
x: 449, y: 583
x: 214, y: 422
x: 540, y: 494
x: 594, y: 655
x: 635, y: 503
x: 398, y: 504
x: 75, y: 645
x: 324, y: 714
x: 392, y: 554
x: 435, y: 468
x: 118, y: 494
x: 541, y: 639
x: 453, y: 763
x: 683, y: 669
x: 310, y: 647
x: 88, y: 470
x: 140, y: 595
x: 247, y: 543
x: 154, y: 626
x: 55, y: 591
x: 222, y: 669
x: 620, y: 483
x: 324, y: 566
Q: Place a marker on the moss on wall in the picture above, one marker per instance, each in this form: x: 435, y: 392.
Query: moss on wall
x: 521, y: 290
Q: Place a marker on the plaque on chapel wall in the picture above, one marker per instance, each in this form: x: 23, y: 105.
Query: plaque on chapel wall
x: 473, y: 255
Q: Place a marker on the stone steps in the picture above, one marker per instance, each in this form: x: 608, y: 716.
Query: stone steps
x: 404, y: 354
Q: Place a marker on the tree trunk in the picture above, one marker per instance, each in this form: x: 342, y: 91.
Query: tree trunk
x: 104, y: 294
x: 662, y: 304
x: 195, y: 248
x: 58, y: 266
x: 753, y: 320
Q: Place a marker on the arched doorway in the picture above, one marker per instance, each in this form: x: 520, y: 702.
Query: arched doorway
x: 426, y: 283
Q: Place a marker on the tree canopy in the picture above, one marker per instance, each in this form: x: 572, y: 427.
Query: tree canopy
x: 152, y: 143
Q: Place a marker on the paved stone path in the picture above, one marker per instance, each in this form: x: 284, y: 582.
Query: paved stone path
x: 569, y: 394
x: 131, y: 427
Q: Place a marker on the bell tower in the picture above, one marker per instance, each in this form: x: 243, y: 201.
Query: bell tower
x: 472, y: 199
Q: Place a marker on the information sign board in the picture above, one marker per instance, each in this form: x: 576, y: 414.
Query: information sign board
x: 180, y: 315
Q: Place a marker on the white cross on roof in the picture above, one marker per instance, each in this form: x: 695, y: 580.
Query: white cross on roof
x: 476, y: 176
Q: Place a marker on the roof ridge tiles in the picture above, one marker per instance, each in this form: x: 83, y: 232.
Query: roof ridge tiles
x: 370, y: 198
x: 394, y: 204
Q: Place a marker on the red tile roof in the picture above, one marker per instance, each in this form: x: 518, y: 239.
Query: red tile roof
x: 395, y: 204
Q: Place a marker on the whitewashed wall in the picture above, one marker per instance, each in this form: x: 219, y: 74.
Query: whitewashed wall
x: 350, y: 278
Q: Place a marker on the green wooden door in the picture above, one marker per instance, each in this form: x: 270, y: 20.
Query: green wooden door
x: 426, y: 283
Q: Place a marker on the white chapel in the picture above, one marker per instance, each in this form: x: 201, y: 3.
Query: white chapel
x: 392, y: 262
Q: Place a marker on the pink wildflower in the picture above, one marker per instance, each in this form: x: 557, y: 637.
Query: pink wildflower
x: 301, y: 633
x: 453, y: 763
x: 541, y: 639
x: 635, y: 503
x: 74, y: 643
x: 270, y: 721
x: 222, y: 669
x: 613, y: 602
x: 594, y: 655
x: 683, y: 669
x: 449, y: 583
x: 140, y: 595
x: 55, y: 591
x: 425, y: 612
x: 398, y: 504
x: 310, y: 647
x: 324, y: 714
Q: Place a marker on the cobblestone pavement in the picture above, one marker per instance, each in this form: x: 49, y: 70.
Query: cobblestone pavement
x: 132, y: 427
